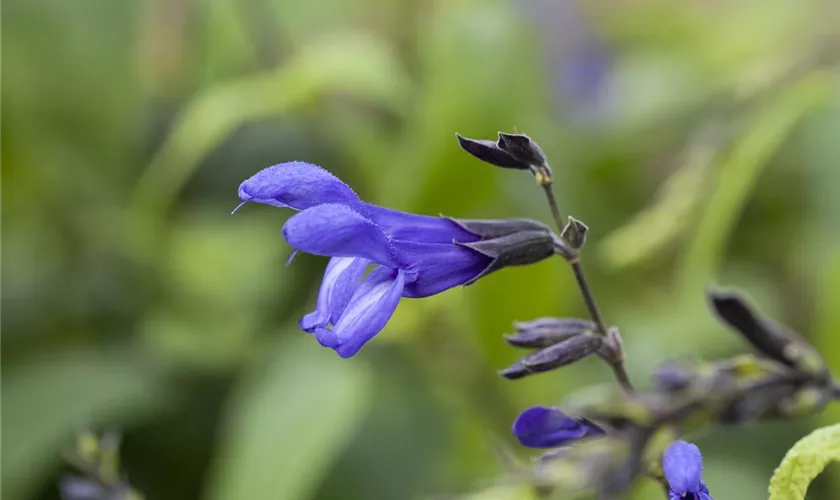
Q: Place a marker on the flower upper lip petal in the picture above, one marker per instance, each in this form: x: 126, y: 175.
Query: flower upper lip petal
x: 298, y: 185
x: 682, y: 465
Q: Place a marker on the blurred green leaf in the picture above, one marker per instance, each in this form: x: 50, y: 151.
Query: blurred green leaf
x: 731, y: 475
x: 288, y: 422
x: 764, y: 132
x: 52, y: 396
x: 652, y: 230
x: 824, y: 332
x: 355, y: 65
x: 465, y: 46
x: 804, y: 462
x: 230, y: 262
x: 519, y: 294
x: 229, y: 48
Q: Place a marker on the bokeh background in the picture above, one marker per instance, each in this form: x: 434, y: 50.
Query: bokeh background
x: 698, y: 139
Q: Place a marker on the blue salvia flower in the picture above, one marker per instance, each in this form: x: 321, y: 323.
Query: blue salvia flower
x: 414, y: 255
x: 541, y: 427
x: 682, y: 465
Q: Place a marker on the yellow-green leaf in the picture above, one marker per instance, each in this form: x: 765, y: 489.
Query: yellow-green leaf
x: 804, y: 462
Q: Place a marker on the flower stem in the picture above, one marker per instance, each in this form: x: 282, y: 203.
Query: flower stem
x: 552, y: 204
x: 586, y: 291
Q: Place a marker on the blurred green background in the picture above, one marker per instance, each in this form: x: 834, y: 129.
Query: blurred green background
x: 698, y: 139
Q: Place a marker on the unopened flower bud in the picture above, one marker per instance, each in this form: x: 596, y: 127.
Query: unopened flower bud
x: 613, y: 348
x: 574, y: 234
x: 673, y: 377
x: 768, y: 337
x: 510, y: 151
x: 490, y: 152
x: 562, y: 354
x: 514, y: 371
x: 521, y: 147
x: 544, y: 332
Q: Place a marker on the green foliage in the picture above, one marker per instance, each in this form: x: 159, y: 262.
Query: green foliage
x: 279, y: 441
x: 655, y: 228
x: 361, y: 67
x: 46, y: 401
x: 804, y: 462
x: 763, y: 133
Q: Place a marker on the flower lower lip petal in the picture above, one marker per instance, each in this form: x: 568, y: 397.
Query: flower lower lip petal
x: 369, y: 310
x: 341, y: 279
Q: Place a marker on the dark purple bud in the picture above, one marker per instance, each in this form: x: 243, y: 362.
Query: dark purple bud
x: 562, y: 354
x: 574, y: 234
x: 490, y: 152
x: 549, y: 324
x: 673, y: 377
x: 516, y: 249
x: 514, y: 372
x: 768, y: 337
x: 494, y: 228
x: 613, y: 348
x: 544, y: 332
x: 521, y: 147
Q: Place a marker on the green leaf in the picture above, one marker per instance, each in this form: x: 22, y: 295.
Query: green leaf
x: 473, y: 59
x: 764, y: 132
x: 655, y: 228
x: 288, y: 422
x: 46, y: 401
x: 520, y: 293
x: 804, y: 462
x: 354, y: 65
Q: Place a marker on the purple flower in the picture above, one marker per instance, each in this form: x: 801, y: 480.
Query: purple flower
x: 682, y: 465
x: 541, y: 427
x: 414, y: 255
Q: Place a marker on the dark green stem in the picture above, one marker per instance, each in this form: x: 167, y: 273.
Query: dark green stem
x: 592, y: 306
